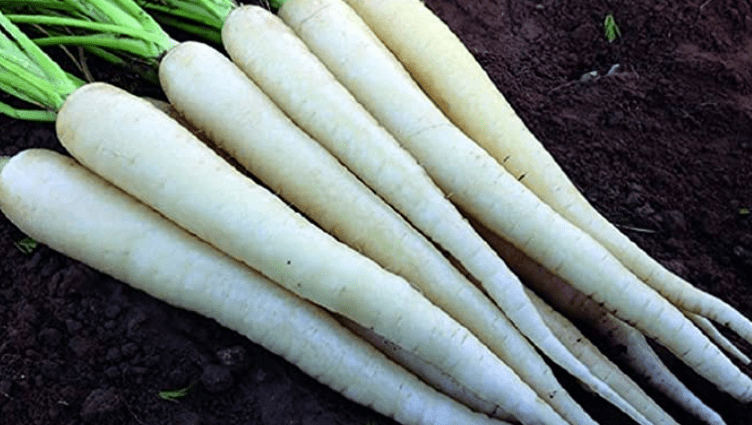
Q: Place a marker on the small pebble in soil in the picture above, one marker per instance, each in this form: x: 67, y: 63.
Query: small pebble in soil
x: 49, y: 369
x: 113, y: 355
x: 589, y: 76
x: 233, y: 357
x: 614, y: 69
x: 216, y: 378
x: 99, y: 403
x: 746, y: 240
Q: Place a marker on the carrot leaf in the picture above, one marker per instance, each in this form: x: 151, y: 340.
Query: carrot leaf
x: 121, y: 28
x: 203, y: 18
x: 28, y: 74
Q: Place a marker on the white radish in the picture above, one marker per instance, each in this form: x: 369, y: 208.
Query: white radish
x: 328, y: 111
x: 451, y: 76
x: 58, y: 202
x: 599, y: 364
x: 621, y: 337
x: 482, y: 187
x: 305, y: 174
x: 433, y: 376
x: 153, y: 158
x: 713, y: 333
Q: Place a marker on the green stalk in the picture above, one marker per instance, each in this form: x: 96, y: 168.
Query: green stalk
x: 276, y: 4
x: 205, y: 32
x: 104, y: 41
x: 27, y: 73
x: 119, y: 26
x: 210, y: 13
x: 203, y: 18
x: 117, y: 30
x: 107, y: 28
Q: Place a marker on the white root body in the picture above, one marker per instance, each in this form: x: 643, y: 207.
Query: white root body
x: 484, y: 189
x: 162, y: 164
x: 713, y: 333
x: 273, y: 57
x: 615, y: 333
x: 321, y: 24
x: 305, y: 174
x: 59, y: 203
x: 601, y: 366
x: 451, y: 76
x: 436, y: 378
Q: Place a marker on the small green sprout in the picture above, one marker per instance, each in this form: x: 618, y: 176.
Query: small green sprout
x: 26, y: 245
x: 611, y: 29
x: 174, y: 395
x: 744, y: 211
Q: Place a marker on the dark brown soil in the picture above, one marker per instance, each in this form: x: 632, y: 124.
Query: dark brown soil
x: 662, y: 147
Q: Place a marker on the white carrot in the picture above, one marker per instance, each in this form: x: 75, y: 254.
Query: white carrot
x: 621, y: 337
x: 455, y: 81
x: 599, y: 364
x: 305, y: 174
x: 713, y: 333
x: 59, y: 203
x: 333, y: 279
x: 643, y: 359
x: 423, y: 203
x: 483, y: 188
x: 150, y: 156
x: 433, y: 376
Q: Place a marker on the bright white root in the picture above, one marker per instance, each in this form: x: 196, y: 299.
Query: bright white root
x: 57, y: 202
x: 162, y: 164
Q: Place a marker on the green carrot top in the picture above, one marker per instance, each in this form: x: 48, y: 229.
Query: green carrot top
x: 203, y: 18
x: 27, y: 73
x: 276, y: 4
x: 118, y: 30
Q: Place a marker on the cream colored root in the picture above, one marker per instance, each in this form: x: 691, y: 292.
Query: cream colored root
x: 427, y: 372
x: 61, y: 204
x: 713, y: 333
x: 318, y: 23
x: 449, y: 73
x: 617, y: 334
x: 483, y: 188
x: 643, y: 359
x: 161, y: 163
x: 307, y: 176
x: 600, y: 365
x: 273, y: 57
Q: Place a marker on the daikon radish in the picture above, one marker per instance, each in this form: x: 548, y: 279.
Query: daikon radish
x: 59, y: 203
x: 478, y: 183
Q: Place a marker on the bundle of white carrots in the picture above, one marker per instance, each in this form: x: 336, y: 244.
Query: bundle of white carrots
x: 314, y: 106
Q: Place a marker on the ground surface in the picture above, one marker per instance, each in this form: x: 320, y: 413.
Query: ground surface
x: 663, y: 145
